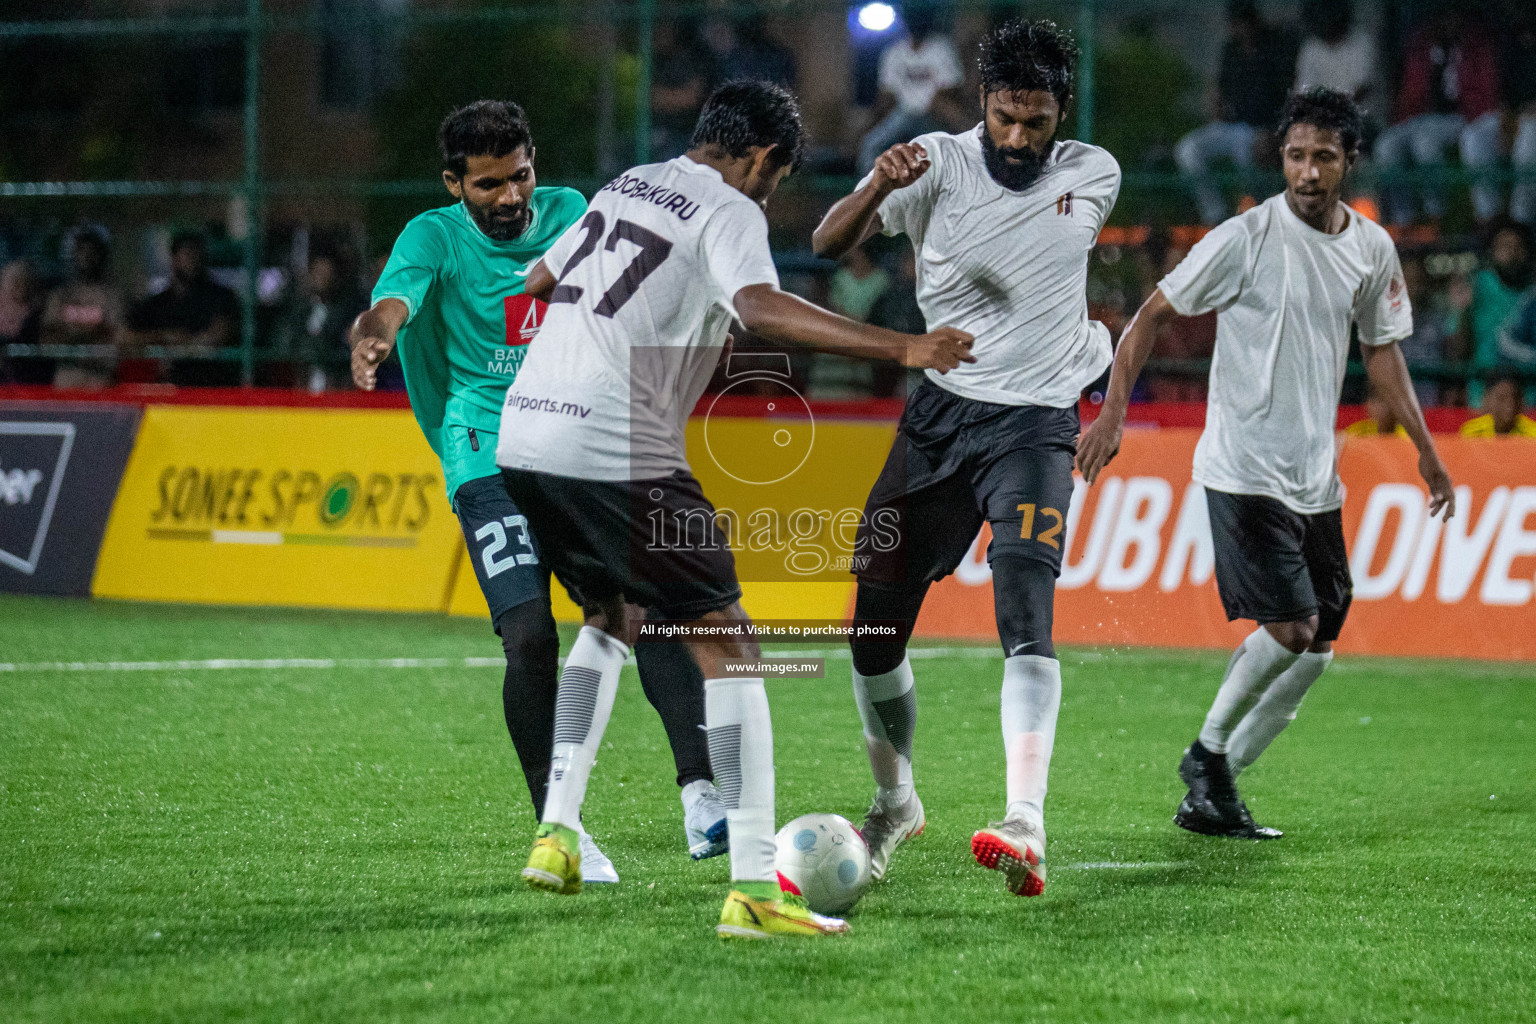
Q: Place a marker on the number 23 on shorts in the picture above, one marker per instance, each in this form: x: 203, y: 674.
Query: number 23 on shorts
x: 495, y: 533
x: 1052, y: 531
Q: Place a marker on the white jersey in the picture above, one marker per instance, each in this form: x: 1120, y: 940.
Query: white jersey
x: 635, y: 326
x: 1011, y: 268
x: 1285, y: 295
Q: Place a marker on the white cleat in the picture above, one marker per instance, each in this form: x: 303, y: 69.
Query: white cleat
x: 885, y: 829
x: 704, y: 820
x: 595, y: 865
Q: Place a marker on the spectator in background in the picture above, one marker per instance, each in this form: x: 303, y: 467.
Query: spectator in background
x: 1433, y: 337
x: 897, y: 310
x: 1498, y: 292
x: 1517, y: 337
x: 920, y: 78
x: 1256, y: 69
x: 1379, y: 420
x: 314, y: 330
x: 20, y: 314
x: 87, y: 309
x: 1185, y: 339
x: 743, y: 49
x: 681, y: 79
x: 1503, y: 399
x: 1450, y: 85
x: 1336, y: 54
x: 857, y: 285
x: 193, y: 314
x: 1511, y: 130
x: 20, y: 308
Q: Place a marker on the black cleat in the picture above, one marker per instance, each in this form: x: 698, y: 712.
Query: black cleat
x: 1188, y: 817
x: 1212, y: 806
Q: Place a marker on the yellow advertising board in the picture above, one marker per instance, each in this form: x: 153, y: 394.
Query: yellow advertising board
x: 790, y: 486
x: 332, y: 508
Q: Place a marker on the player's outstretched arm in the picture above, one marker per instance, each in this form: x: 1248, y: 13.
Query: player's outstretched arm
x: 1101, y: 441
x: 780, y: 316
x: 1388, y: 371
x: 854, y: 218
x: 373, y: 338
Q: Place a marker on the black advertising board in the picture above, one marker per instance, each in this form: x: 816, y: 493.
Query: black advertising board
x: 60, y: 465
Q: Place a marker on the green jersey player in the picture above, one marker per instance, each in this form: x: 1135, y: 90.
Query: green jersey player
x: 451, y: 300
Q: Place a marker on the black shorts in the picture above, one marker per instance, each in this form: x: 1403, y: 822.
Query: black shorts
x: 957, y: 463
x: 501, y: 547
x: 1276, y: 565
x: 655, y: 542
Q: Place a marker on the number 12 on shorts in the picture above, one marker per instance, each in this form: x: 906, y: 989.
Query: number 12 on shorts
x: 497, y: 534
x: 1046, y: 536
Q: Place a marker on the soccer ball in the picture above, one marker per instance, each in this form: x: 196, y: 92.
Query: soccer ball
x: 824, y: 857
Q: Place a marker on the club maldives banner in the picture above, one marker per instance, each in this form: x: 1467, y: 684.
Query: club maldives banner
x: 1138, y: 568
x: 60, y: 464
x: 338, y: 508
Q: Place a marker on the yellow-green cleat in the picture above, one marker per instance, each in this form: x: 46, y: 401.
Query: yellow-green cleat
x: 555, y: 863
x: 745, y: 917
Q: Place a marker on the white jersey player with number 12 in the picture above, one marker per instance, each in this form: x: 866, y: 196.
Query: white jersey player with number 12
x: 642, y: 292
x: 1003, y: 219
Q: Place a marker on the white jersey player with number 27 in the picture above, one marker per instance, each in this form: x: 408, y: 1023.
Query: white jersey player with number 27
x: 642, y: 292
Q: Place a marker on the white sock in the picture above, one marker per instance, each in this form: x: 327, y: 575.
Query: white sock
x: 1031, y: 700
x: 588, y: 684
x: 888, y: 707
x: 1254, y: 665
x: 741, y: 755
x: 1275, y: 710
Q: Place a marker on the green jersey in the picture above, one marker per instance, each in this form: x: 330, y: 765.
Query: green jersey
x: 468, y: 322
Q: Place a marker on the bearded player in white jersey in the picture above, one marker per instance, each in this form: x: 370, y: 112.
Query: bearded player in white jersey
x: 1286, y: 279
x: 641, y: 294
x: 1003, y: 219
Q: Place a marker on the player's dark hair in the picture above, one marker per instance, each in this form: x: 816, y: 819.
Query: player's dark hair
x: 745, y: 113
x: 1022, y: 56
x: 484, y: 128
x: 1327, y: 109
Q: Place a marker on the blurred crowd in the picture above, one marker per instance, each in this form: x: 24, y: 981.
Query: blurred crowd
x: 1444, y: 85
x: 1465, y: 87
x: 73, y: 322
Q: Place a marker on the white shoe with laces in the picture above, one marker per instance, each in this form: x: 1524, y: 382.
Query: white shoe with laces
x: 704, y: 821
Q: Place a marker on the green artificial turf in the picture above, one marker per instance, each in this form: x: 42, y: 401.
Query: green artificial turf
x: 340, y: 844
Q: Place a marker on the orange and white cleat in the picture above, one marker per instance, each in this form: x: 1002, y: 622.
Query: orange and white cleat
x: 1015, y: 847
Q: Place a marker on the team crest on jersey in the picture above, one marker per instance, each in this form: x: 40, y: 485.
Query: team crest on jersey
x: 1395, y: 293
x: 1064, y: 204
x: 524, y: 315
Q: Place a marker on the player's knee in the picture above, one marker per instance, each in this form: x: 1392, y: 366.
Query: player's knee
x: 1024, y: 595
x: 528, y: 633
x: 877, y: 657
x: 886, y: 605
x: 1296, y: 636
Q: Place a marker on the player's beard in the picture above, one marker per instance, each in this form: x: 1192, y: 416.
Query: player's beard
x: 1013, y: 168
x: 499, y: 228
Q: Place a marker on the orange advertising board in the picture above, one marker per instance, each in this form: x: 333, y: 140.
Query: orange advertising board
x: 1139, y: 567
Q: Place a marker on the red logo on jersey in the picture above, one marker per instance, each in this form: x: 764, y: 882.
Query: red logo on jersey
x: 1395, y: 293
x: 524, y: 315
x: 1064, y: 204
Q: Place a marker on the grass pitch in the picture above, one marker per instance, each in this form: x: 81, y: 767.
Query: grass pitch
x: 338, y: 844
